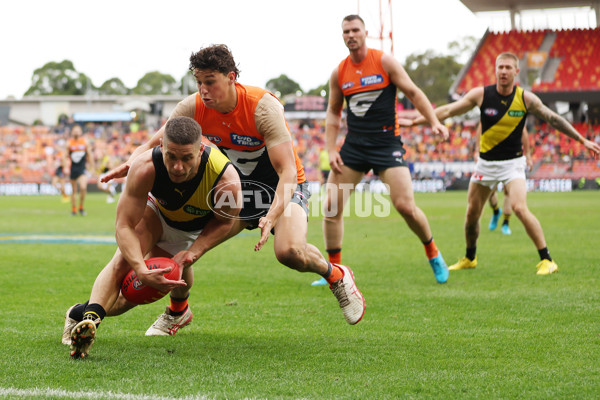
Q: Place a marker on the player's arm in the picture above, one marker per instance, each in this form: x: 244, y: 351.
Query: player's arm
x: 333, y: 121
x: 185, y: 108
x: 228, y: 201
x: 474, y: 97
x: 477, y: 141
x: 526, y: 148
x: 90, y: 158
x: 400, y: 78
x: 130, y: 211
x: 536, y: 107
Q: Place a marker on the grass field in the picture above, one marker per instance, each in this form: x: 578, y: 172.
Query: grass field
x: 260, y: 331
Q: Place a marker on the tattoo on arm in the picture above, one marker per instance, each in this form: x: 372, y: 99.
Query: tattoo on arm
x: 555, y: 120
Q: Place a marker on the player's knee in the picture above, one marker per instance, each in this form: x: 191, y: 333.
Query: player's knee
x: 520, y: 210
x: 407, y: 210
x: 292, y: 257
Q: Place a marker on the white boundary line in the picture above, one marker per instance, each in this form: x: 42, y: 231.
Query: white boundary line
x: 47, y: 392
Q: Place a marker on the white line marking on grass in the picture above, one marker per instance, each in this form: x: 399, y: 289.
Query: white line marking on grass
x: 46, y: 392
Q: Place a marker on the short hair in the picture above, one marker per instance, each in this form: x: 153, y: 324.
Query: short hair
x: 183, y: 131
x: 508, y: 54
x: 353, y: 17
x: 216, y: 57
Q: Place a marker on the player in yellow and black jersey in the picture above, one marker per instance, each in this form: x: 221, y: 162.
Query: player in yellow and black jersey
x: 181, y: 200
x: 504, y: 107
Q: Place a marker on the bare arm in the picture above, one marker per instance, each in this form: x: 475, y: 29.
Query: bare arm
x: 400, y: 78
x: 537, y: 108
x: 228, y: 195
x: 333, y: 122
x: 474, y: 97
x: 283, y: 161
x: 526, y: 148
x: 130, y: 211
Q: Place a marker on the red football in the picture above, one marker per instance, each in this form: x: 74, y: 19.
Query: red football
x: 136, y: 292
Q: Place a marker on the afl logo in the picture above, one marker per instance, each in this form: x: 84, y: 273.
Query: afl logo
x: 347, y: 85
x: 490, y: 112
x: 214, y: 139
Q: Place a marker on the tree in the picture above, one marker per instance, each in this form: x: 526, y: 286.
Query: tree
x: 433, y: 73
x: 283, y: 85
x: 156, y: 83
x: 188, y: 84
x: 113, y: 86
x: 318, y: 91
x: 59, y: 78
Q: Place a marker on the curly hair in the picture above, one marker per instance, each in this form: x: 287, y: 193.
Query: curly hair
x: 216, y: 57
x: 183, y: 131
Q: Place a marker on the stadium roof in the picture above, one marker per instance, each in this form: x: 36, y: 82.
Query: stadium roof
x: 519, y: 5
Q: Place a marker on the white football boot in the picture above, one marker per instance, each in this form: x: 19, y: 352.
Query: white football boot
x: 350, y: 298
x: 167, y: 324
x: 69, y: 325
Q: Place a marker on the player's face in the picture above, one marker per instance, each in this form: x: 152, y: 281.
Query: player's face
x: 506, y: 71
x: 181, y: 161
x: 214, y: 88
x: 354, y: 34
x: 76, y: 131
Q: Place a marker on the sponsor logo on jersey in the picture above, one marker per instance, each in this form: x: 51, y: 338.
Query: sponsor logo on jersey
x: 371, y: 80
x: 347, y: 85
x: 213, y: 138
x: 490, y: 112
x: 195, y: 210
x: 516, y: 113
x: 397, y: 153
x: 243, y: 140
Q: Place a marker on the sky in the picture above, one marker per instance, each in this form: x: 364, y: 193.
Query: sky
x: 128, y: 38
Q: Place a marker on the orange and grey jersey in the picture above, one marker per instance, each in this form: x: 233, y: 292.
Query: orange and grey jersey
x: 188, y: 206
x: 502, y: 122
x: 370, y: 96
x: 77, y: 153
x: 240, y: 134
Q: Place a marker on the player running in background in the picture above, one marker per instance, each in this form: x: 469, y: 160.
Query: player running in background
x: 80, y: 155
x: 504, y: 107
x: 369, y: 81
x: 178, y: 203
x: 248, y: 125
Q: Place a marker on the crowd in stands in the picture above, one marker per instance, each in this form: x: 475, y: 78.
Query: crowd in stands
x: 31, y: 154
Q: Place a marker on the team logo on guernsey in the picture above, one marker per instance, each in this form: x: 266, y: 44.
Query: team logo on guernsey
x: 371, y: 80
x: 213, y: 138
x: 243, y: 140
x: 516, y: 113
x: 490, y: 112
x: 347, y: 85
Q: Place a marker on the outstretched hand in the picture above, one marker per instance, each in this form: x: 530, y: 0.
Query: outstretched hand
x: 265, y: 225
x: 440, y: 129
x: 156, y: 279
x: 593, y: 147
x: 115, y: 173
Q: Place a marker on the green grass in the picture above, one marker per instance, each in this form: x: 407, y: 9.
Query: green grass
x: 261, y: 331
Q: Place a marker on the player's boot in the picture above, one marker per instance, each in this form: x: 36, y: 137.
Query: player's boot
x: 464, y: 263
x: 348, y: 296
x: 440, y: 269
x: 320, y: 282
x: 82, y: 337
x: 69, y: 325
x: 494, y: 220
x: 167, y: 324
x: 506, y: 230
x: 546, y: 267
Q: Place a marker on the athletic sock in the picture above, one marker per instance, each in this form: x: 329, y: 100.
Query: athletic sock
x: 333, y: 274
x: 471, y: 253
x: 335, y: 255
x: 94, y: 311
x: 496, y: 210
x: 506, y: 219
x: 77, y: 311
x: 544, y: 254
x: 178, y: 305
x: 431, y: 249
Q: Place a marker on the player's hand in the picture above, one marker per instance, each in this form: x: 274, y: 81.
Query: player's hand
x: 407, y: 122
x: 115, y: 173
x: 265, y: 224
x: 335, y: 161
x: 185, y: 259
x: 593, y: 147
x: 156, y: 279
x: 440, y: 129
x: 529, y: 163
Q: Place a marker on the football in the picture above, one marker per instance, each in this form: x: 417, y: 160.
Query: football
x: 136, y: 292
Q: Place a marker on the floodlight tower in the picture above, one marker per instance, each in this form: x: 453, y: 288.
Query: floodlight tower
x: 385, y: 31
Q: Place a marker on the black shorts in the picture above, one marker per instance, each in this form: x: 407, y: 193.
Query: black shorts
x: 253, y: 211
x: 76, y: 172
x: 377, y: 152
